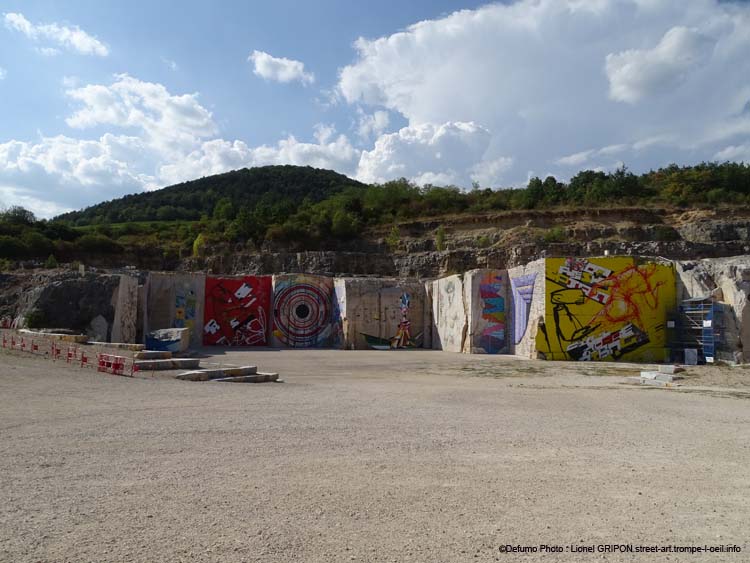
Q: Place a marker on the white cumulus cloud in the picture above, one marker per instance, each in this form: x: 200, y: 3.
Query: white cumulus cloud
x: 162, y: 138
x: 3, y: 73
x: 738, y: 153
x: 218, y: 155
x: 645, y: 82
x: 371, y: 124
x: 426, y: 153
x: 169, y: 123
x: 279, y: 69
x: 69, y: 37
x: 637, y: 73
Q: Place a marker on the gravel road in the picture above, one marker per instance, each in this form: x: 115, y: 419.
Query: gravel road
x: 369, y: 456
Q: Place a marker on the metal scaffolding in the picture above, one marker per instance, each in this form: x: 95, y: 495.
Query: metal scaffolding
x: 699, y: 328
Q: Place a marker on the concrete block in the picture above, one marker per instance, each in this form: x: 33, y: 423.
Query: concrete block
x: 74, y: 338
x: 237, y: 311
x: 303, y: 311
x: 257, y: 378
x: 485, y: 299
x: 120, y: 346
x: 174, y: 363
x: 152, y: 355
x: 658, y: 376
x: 652, y: 382
x: 448, y: 314
x: 124, y: 325
x: 175, y: 301
x: 209, y: 374
x: 658, y: 383
x: 527, y: 306
x: 671, y: 369
x: 384, y: 313
x: 169, y: 339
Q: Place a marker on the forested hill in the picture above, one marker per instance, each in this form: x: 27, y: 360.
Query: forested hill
x: 293, y: 208
x: 275, y: 191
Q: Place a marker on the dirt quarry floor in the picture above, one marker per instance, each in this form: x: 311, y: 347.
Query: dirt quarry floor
x: 372, y: 456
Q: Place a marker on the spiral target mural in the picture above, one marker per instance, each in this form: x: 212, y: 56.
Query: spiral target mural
x: 303, y: 311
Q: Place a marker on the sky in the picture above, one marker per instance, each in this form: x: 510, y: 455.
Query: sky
x: 103, y: 99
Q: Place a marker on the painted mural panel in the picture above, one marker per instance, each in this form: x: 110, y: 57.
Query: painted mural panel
x: 606, y: 309
x: 380, y: 313
x: 448, y: 314
x: 237, y: 311
x: 485, y: 299
x: 523, y: 293
x: 175, y: 301
x: 303, y: 311
x: 185, y: 305
x: 398, y: 306
x: 492, y: 293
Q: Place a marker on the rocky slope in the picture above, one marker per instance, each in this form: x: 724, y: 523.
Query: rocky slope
x: 506, y: 239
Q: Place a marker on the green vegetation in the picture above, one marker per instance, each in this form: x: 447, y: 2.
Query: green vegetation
x: 440, y: 238
x: 301, y: 208
x: 484, y: 242
x: 555, y: 234
x: 393, y: 238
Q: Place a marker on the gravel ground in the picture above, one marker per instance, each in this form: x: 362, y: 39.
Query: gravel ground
x: 370, y: 456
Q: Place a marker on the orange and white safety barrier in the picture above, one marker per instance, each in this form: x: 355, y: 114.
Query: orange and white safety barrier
x: 118, y: 365
x: 73, y: 354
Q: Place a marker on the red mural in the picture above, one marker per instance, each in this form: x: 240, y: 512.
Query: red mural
x: 237, y: 311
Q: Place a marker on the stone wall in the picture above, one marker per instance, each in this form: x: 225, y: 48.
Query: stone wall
x: 727, y: 282
x: 608, y: 308
x: 124, y: 325
x: 449, y: 319
x: 378, y: 312
x: 486, y: 303
x: 527, y: 308
x: 175, y: 301
x: 237, y: 311
x: 303, y: 311
x: 102, y: 306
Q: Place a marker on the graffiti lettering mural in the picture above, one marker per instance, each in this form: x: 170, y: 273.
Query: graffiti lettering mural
x: 236, y: 311
x: 523, y: 292
x: 303, y: 311
x: 606, y: 309
x: 491, y: 291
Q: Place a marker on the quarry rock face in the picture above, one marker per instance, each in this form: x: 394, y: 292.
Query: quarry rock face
x: 727, y: 280
x: 567, y: 307
x: 84, y: 304
x: 435, y: 263
x: 324, y: 263
x: 711, y: 231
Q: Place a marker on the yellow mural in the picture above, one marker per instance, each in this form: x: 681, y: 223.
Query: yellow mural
x: 606, y: 309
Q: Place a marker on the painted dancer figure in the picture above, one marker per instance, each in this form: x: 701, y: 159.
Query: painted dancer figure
x: 403, y: 334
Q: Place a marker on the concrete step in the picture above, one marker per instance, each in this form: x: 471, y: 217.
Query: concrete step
x: 659, y: 376
x: 209, y: 374
x: 174, y: 363
x: 152, y: 355
x: 120, y: 346
x: 75, y: 338
x: 652, y: 382
x: 257, y: 378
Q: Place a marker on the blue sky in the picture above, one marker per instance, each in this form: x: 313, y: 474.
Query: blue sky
x: 100, y: 99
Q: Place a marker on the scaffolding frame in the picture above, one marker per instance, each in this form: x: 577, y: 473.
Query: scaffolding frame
x: 699, y: 327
